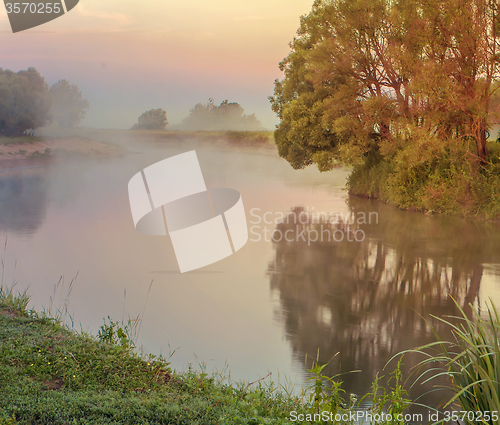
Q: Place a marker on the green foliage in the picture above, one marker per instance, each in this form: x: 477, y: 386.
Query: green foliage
x: 325, y: 393
x: 394, y: 402
x: 248, y: 138
x: 20, y: 140
x: 226, y: 116
x: 401, y: 92
x: 9, y: 301
x: 52, y: 375
x: 24, y: 101
x: 154, y: 119
x: 471, y: 361
x: 432, y: 176
x: 113, y: 333
x: 68, y: 105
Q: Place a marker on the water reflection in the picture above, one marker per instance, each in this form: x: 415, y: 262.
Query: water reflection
x: 368, y: 299
x: 361, y: 299
x: 23, y: 201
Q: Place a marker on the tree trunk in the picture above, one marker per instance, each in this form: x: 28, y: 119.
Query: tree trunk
x: 480, y: 136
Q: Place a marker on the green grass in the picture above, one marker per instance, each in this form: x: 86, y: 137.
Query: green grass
x: 50, y: 374
x: 432, y: 177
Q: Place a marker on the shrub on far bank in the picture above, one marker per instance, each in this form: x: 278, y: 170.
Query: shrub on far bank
x: 154, y: 119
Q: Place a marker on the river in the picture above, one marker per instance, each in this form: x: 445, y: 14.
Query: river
x: 270, y: 305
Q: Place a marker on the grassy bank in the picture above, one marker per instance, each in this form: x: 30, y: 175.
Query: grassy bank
x: 432, y: 177
x: 25, y: 149
x: 50, y: 374
x: 229, y: 138
x: 56, y: 144
x: 21, y: 140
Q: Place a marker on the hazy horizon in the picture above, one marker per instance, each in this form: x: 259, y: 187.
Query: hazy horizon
x: 129, y: 57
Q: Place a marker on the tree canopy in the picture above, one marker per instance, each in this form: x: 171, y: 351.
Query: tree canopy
x: 24, y: 101
x: 68, y: 105
x: 377, y: 75
x: 226, y: 116
x: 154, y: 119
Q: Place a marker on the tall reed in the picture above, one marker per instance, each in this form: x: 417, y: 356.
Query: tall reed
x: 471, y: 361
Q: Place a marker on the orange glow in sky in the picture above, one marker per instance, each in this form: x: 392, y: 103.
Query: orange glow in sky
x: 130, y: 56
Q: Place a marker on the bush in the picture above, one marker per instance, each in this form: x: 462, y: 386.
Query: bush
x: 428, y: 175
x: 154, y: 119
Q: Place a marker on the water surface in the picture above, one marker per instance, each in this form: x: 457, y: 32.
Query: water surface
x: 273, y: 302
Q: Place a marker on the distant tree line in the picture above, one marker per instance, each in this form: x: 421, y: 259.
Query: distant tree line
x: 226, y: 116
x: 68, y: 105
x: 27, y: 102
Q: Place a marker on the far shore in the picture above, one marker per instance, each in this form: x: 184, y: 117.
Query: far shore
x: 28, y: 150
x: 61, y: 145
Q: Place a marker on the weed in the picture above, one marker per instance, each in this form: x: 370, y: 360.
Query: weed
x: 394, y: 402
x: 471, y: 362
x: 113, y: 333
x: 325, y: 393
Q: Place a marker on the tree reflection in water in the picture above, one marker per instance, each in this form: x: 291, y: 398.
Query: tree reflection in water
x: 369, y: 300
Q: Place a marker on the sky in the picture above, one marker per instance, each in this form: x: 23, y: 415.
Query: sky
x: 131, y: 56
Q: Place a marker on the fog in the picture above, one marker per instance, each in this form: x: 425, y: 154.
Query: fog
x: 226, y: 116
x: 128, y: 58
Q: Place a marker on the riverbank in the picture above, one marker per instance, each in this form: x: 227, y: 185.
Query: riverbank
x: 28, y: 150
x: 242, y: 140
x: 73, y: 144
x: 431, y: 177
x: 50, y: 374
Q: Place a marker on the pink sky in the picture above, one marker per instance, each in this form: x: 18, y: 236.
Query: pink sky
x: 130, y: 56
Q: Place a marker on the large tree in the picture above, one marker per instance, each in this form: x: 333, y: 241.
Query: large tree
x: 24, y: 101
x: 68, y: 105
x: 374, y: 75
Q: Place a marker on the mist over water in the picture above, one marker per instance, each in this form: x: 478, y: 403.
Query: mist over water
x: 265, y: 307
